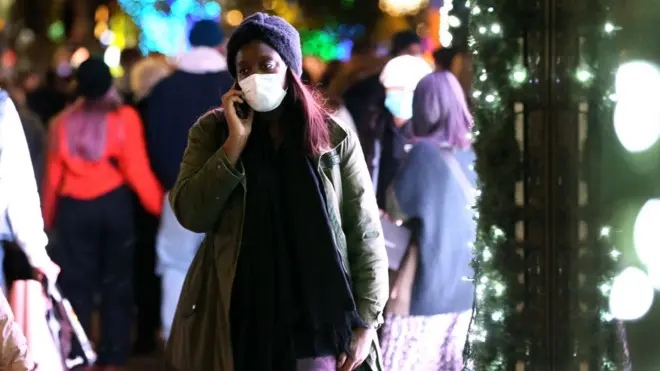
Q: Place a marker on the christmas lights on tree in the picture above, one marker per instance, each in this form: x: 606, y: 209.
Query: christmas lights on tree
x: 500, y: 334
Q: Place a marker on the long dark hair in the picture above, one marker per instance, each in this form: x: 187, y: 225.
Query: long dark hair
x: 86, y: 125
x: 308, y: 106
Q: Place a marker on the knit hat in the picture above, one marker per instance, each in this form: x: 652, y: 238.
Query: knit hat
x: 206, y: 33
x: 404, y: 72
x: 94, y: 78
x: 274, y: 31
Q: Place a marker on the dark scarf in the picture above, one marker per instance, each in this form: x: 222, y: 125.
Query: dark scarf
x: 291, y: 297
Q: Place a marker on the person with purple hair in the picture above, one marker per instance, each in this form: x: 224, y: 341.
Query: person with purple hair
x: 428, y: 316
x: 96, y: 159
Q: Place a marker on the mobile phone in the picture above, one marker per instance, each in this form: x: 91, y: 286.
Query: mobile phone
x: 242, y: 109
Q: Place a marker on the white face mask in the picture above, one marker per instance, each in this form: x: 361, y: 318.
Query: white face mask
x: 263, y: 92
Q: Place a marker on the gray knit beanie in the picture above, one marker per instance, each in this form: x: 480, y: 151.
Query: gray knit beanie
x: 274, y: 31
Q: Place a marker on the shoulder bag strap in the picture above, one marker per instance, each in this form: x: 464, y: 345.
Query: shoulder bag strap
x: 459, y: 175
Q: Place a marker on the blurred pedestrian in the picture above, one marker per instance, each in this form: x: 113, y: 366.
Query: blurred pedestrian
x: 196, y: 86
x: 334, y: 102
x: 145, y: 74
x: 267, y: 177
x: 21, y: 222
x: 389, y: 130
x: 369, y: 91
x: 96, y: 154
x: 35, y: 132
x: 20, y: 218
x: 444, y: 58
x: 430, y: 307
x: 49, y: 98
x: 128, y: 59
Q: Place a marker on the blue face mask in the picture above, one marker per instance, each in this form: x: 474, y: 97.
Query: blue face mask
x: 400, y: 104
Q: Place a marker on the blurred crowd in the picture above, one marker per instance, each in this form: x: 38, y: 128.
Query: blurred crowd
x: 106, y: 151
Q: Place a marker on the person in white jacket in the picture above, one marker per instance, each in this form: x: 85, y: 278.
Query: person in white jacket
x: 21, y: 220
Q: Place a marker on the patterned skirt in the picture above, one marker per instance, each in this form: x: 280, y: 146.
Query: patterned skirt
x: 425, y: 343
x: 317, y: 364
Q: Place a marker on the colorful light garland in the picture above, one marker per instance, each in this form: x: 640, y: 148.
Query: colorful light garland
x: 331, y: 42
x: 165, y: 24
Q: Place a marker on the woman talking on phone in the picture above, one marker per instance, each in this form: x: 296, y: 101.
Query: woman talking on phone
x: 292, y: 274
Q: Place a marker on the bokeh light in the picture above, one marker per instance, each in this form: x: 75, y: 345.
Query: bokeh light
x: 632, y: 294
x: 234, y: 17
x: 401, y: 7
x: 637, y: 126
x: 636, y: 115
x: 166, y: 32
x: 79, y: 56
x: 637, y: 80
x: 112, y: 56
x: 646, y: 234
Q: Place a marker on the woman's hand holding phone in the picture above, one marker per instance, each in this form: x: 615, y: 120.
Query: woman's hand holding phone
x: 239, y: 128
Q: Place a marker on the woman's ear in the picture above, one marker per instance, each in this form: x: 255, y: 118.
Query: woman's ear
x: 287, y: 79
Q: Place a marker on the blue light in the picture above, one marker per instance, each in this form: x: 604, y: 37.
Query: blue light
x: 344, y: 49
x: 212, y: 9
x: 167, y: 33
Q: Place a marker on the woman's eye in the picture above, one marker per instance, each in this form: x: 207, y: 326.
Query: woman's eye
x: 243, y: 71
x: 269, y: 66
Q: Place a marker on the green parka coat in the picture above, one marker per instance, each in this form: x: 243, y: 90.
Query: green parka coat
x: 209, y: 197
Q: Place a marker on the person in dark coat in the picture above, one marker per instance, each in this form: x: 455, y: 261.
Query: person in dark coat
x: 365, y: 100
x: 144, y: 75
x: 390, y: 122
x: 195, y: 87
x: 48, y: 99
x: 365, y: 92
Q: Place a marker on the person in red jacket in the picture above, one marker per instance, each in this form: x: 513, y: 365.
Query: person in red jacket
x: 96, y: 154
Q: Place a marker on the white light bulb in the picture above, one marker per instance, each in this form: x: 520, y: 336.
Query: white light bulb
x: 476, y: 10
x: 609, y: 28
x: 454, y: 21
x: 583, y: 75
x: 605, y: 231
x: 495, y: 28
x: 490, y: 98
